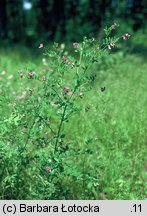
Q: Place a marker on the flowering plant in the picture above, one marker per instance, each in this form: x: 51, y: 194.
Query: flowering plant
x: 43, y: 112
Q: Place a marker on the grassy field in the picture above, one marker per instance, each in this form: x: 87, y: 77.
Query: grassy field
x: 107, y: 137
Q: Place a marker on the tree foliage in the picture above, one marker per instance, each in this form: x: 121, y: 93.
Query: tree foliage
x: 66, y: 19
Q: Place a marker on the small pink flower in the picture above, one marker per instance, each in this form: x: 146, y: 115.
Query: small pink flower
x: 69, y: 62
x: 31, y: 74
x: 114, y: 26
x: 40, y: 46
x: 126, y: 36
x: 111, y: 45
x: 64, y: 58
x: 75, y: 45
x: 66, y: 61
x: 44, y: 78
x: 47, y: 169
x: 66, y: 90
x: 24, y: 130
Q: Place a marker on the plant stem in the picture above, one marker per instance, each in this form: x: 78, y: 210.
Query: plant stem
x: 80, y: 59
x: 60, y: 126
x: 65, y: 107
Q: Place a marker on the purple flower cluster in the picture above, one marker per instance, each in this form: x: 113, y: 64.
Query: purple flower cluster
x: 126, y: 36
x: 66, y: 61
x: 67, y: 91
x: 47, y: 169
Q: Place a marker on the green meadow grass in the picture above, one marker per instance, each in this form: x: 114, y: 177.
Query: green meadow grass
x: 109, y: 129
x: 117, y: 123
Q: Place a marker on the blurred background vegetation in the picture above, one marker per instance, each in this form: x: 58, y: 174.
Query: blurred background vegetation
x: 30, y: 22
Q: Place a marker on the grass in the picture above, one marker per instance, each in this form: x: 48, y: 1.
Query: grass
x: 117, y: 121
x: 109, y: 129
